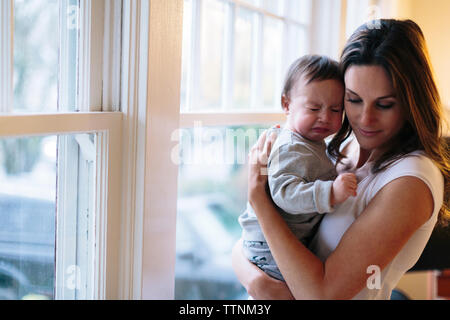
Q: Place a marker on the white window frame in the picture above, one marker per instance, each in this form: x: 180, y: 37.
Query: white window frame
x: 150, y: 101
x: 107, y: 200
x: 94, y: 94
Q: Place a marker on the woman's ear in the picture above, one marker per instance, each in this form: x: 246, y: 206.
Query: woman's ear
x: 285, y: 104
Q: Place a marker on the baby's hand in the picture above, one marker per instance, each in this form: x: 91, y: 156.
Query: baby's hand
x: 343, y: 187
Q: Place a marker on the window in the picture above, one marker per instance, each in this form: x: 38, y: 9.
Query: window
x: 236, y: 53
x: 60, y: 170
x: 211, y: 195
x: 235, y: 56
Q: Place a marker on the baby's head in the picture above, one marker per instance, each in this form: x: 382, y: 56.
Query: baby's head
x: 313, y: 97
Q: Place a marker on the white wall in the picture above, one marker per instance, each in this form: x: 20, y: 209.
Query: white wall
x: 434, y: 19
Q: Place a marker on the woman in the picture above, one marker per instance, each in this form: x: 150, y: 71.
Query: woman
x: 365, y: 245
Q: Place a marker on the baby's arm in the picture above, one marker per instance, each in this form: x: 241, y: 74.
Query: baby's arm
x: 289, y: 189
x: 344, y: 186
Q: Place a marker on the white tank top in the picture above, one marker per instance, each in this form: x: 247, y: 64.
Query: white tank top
x: 335, y: 224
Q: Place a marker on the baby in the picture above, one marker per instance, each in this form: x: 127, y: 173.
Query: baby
x: 302, y: 179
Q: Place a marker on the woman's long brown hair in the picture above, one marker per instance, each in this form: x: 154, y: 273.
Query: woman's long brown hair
x: 399, y: 47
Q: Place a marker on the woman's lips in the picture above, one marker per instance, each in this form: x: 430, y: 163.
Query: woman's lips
x: 369, y: 133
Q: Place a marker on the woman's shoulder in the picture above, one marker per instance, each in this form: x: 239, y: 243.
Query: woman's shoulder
x: 415, y: 164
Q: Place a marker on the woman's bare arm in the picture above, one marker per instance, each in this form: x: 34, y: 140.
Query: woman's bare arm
x: 257, y: 283
x: 375, y: 238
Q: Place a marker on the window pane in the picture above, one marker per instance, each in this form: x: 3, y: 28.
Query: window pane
x: 43, y: 64
x: 299, y: 10
x: 298, y: 45
x: 186, y: 55
x: 272, y: 6
x: 242, y: 59
x: 212, y: 194
x: 272, y: 45
x: 35, y: 55
x: 211, y: 53
x: 28, y: 206
x: 27, y: 212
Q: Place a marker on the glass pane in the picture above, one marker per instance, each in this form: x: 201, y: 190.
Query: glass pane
x: 299, y: 10
x: 271, y: 75
x: 300, y: 40
x: 28, y: 203
x: 43, y: 64
x: 211, y: 55
x: 186, y: 55
x: 212, y: 194
x: 298, y: 45
x: 27, y: 212
x: 35, y: 55
x: 242, y: 59
x: 273, y: 6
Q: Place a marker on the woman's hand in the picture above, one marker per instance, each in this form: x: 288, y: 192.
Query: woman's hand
x: 259, y: 285
x: 257, y: 170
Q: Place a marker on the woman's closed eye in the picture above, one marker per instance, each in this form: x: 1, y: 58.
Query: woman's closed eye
x: 355, y: 101
x: 385, y: 105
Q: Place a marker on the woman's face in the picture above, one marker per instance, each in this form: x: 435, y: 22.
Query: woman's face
x: 371, y: 106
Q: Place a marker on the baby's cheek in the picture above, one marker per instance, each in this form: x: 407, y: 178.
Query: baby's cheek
x: 337, y: 124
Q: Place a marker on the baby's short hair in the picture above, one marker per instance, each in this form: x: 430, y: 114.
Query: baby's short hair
x: 312, y: 68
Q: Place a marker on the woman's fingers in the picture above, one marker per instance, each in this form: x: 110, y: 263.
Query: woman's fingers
x: 262, y: 140
x: 260, y: 152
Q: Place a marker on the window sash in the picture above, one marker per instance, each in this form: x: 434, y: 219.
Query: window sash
x: 193, y: 84
x: 107, y: 191
x: 94, y: 52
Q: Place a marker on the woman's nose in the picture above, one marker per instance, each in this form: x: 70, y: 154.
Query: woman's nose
x: 367, y: 115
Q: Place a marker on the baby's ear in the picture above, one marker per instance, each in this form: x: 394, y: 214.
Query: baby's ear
x: 285, y: 104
